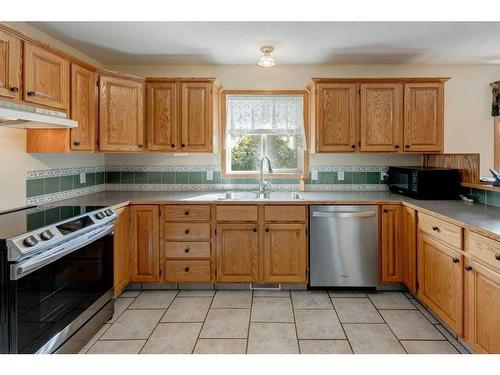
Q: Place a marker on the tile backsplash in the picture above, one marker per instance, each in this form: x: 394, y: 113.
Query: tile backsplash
x: 491, y: 198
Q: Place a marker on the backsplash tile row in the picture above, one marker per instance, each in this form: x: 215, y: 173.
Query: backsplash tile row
x: 50, y: 185
x: 491, y: 198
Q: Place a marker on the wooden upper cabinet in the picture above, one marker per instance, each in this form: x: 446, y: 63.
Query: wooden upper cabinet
x: 381, y: 117
x: 121, y: 114
x: 336, y: 117
x: 285, y: 253
x: 409, y: 247
x: 46, y: 78
x: 392, y: 265
x: 424, y: 117
x: 440, y: 279
x: 83, y: 108
x: 237, y: 253
x: 196, y: 116
x: 10, y: 66
x: 162, y: 116
x: 144, y: 243
x: 482, y: 308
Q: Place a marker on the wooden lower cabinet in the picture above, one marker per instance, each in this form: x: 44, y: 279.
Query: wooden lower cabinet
x: 237, y: 253
x: 391, y: 259
x: 482, y: 308
x: 440, y: 279
x: 144, y: 236
x: 121, y: 250
x: 187, y: 271
x: 409, y: 248
x: 285, y: 253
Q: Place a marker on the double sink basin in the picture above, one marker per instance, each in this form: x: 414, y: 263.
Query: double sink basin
x: 253, y: 195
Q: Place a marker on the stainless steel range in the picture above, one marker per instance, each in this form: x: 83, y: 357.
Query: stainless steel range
x: 56, y: 267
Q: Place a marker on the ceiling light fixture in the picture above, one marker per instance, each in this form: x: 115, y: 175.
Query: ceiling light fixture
x: 266, y: 61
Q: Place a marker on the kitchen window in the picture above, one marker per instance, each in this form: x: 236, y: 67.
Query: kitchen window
x: 257, y: 124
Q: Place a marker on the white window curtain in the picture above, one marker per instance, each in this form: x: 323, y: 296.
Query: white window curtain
x: 266, y: 114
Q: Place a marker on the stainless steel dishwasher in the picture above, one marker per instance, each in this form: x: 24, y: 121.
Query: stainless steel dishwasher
x: 343, y: 246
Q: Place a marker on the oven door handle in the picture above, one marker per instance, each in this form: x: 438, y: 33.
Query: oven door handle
x: 36, y: 262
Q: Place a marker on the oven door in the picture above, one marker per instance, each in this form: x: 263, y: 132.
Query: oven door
x: 58, y: 292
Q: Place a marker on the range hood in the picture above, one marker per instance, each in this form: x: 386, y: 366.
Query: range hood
x: 26, y: 117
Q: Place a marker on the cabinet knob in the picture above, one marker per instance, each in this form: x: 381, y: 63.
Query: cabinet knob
x: 353, y: 146
x: 456, y: 260
x: 186, y: 269
x: 14, y: 89
x: 186, y: 250
x: 186, y: 213
x: 255, y: 229
x: 76, y: 143
x: 407, y: 146
x: 183, y: 145
x: 396, y: 146
x: 468, y: 268
x: 172, y: 145
x: 267, y: 229
x: 141, y: 146
x: 436, y: 229
x: 186, y: 231
x: 30, y: 93
x: 497, y: 256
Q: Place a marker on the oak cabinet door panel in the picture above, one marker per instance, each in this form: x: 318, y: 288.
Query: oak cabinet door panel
x: 162, y: 116
x: 10, y: 66
x: 144, y: 234
x: 392, y: 265
x: 196, y: 116
x: 83, y: 108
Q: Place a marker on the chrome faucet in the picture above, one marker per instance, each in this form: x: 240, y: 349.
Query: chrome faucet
x: 262, y: 183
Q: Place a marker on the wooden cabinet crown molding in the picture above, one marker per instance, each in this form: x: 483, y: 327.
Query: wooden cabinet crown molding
x: 380, y: 80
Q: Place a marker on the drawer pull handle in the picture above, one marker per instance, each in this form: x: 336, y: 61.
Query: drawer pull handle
x: 254, y: 229
x: 186, y: 250
x: 14, y: 89
x: 186, y: 231
x: 76, y: 143
x: 186, y: 213
x: 31, y: 93
x: 497, y: 256
x: 468, y: 268
x: 456, y: 260
x: 186, y: 269
x: 436, y: 229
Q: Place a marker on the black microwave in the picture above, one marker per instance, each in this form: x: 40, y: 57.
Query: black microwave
x: 424, y: 182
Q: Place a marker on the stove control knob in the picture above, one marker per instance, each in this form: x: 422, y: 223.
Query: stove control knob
x: 46, y: 235
x: 100, y: 215
x: 30, y: 241
x: 108, y: 212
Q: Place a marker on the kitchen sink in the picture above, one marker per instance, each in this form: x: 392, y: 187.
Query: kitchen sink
x: 254, y: 195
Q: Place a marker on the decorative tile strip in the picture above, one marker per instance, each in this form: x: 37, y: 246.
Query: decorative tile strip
x: 196, y: 187
x: 162, y: 168
x: 349, y: 168
x: 31, y: 175
x: 47, y: 198
x: 347, y: 187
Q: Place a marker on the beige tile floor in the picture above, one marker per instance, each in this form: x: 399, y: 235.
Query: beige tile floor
x: 275, y: 322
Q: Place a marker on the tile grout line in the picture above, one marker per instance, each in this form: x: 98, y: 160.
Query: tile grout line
x: 295, y: 324
x: 204, y: 320
x: 341, y: 325
x: 249, y: 321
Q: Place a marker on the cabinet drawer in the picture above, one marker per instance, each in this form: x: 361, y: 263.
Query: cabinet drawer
x: 484, y: 249
x: 285, y: 213
x: 187, y: 231
x: 187, y: 271
x: 440, y: 229
x: 236, y: 213
x: 186, y: 213
x: 187, y: 249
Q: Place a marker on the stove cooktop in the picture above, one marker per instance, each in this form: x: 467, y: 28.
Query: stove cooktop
x: 15, y: 223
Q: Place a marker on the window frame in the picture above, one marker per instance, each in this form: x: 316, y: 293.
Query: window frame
x: 227, y: 174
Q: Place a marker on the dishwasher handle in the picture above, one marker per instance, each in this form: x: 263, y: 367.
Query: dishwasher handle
x: 344, y: 215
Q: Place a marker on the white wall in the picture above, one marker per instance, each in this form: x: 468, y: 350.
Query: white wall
x: 468, y: 124
x: 15, y: 162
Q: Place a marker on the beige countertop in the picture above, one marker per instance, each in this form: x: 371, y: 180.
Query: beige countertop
x: 479, y: 217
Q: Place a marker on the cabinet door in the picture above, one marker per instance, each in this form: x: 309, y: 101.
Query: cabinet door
x: 440, y: 279
x: 409, y: 248
x: 424, y: 117
x: 196, y: 116
x: 482, y: 308
x: 285, y: 253
x: 392, y: 265
x: 337, y: 106
x: 10, y: 66
x: 144, y: 232
x: 237, y: 246
x: 121, y: 253
x: 381, y: 115
x: 83, y: 108
x: 121, y: 115
x: 46, y: 78
x: 162, y: 116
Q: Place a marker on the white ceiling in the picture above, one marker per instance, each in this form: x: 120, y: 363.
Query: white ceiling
x: 294, y: 42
